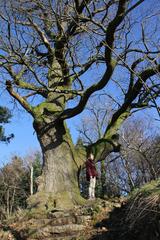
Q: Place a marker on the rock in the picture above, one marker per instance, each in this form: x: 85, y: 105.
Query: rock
x: 63, y: 228
x: 104, y: 229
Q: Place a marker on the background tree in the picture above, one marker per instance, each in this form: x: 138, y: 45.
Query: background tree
x: 58, y: 53
x: 12, y: 195
x: 34, y: 164
x: 5, y: 116
x: 92, y: 127
x: 137, y: 162
x: 15, y: 183
x: 139, y: 153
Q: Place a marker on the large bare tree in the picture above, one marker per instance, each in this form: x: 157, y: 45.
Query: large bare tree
x: 54, y: 54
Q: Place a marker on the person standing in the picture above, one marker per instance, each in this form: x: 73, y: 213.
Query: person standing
x: 91, y: 175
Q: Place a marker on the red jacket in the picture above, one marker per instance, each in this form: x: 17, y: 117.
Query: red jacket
x: 90, y: 169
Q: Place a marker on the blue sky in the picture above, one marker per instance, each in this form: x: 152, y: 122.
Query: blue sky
x: 25, y: 139
x: 21, y: 126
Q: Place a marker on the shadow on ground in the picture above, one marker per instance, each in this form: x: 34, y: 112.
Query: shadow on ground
x: 115, y: 227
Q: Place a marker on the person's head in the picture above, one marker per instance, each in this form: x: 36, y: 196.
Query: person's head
x: 91, y: 156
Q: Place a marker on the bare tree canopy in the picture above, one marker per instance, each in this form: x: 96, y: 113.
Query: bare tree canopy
x: 54, y: 54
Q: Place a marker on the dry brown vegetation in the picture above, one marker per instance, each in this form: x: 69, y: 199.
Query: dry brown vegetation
x: 138, y: 218
x: 122, y: 219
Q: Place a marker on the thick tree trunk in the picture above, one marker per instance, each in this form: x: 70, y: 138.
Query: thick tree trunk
x: 58, y: 184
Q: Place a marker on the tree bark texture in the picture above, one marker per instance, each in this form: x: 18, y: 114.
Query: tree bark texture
x: 59, y: 180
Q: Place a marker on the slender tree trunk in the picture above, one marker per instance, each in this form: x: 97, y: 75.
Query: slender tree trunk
x: 12, y: 201
x: 103, y: 178
x: 31, y: 179
x: 7, y: 202
x: 58, y: 184
x: 129, y: 174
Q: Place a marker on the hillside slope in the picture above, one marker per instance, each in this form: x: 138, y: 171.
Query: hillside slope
x: 137, y: 219
x: 134, y: 218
